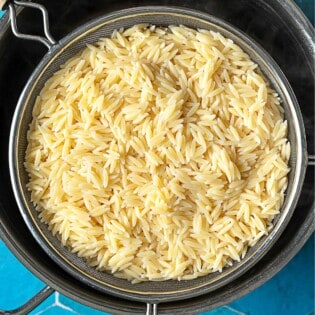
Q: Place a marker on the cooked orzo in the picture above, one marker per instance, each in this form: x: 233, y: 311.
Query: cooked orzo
x: 158, y: 153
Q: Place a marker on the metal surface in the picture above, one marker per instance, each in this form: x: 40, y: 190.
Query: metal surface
x: 32, y: 303
x: 311, y: 160
x: 152, y: 309
x: 151, y: 291
x: 48, y: 40
x: 293, y: 238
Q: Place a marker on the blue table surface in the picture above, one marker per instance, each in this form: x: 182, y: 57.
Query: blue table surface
x: 290, y: 292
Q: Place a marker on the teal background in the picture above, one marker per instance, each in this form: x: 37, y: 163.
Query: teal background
x: 290, y: 292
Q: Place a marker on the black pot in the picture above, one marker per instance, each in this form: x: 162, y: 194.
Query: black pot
x: 288, y: 40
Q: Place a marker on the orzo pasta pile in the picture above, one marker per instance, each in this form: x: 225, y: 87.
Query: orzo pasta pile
x: 159, y: 153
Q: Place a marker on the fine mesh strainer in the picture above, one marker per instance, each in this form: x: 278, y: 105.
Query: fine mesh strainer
x: 150, y: 292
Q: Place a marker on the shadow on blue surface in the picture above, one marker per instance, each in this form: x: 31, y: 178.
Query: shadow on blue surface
x: 291, y: 291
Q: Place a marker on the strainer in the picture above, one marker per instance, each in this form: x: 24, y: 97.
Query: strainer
x: 151, y: 293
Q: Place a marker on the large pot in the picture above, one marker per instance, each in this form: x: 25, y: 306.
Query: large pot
x: 109, y: 299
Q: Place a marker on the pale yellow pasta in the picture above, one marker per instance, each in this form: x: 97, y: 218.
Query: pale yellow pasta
x: 158, y: 153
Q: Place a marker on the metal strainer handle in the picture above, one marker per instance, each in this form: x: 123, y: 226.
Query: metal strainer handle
x: 47, y: 40
x: 31, y: 303
x: 311, y: 159
x: 151, y: 309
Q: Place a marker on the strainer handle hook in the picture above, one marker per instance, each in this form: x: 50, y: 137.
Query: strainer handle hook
x: 30, y: 304
x: 311, y: 160
x: 151, y: 309
x: 47, y: 40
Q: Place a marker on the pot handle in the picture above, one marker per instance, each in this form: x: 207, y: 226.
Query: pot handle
x: 47, y: 40
x: 32, y: 303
